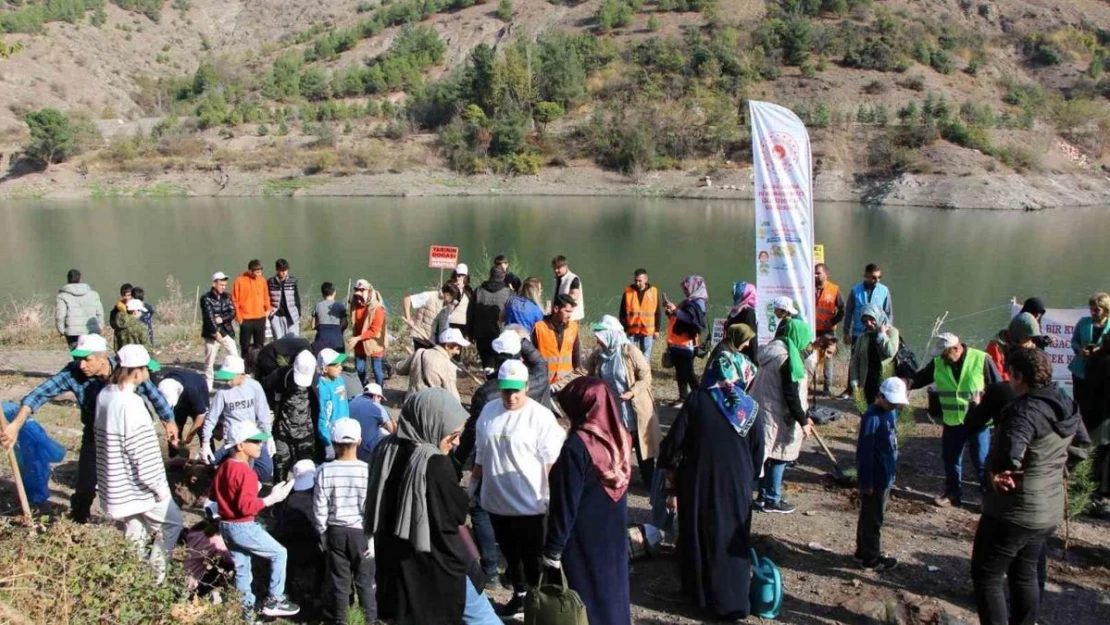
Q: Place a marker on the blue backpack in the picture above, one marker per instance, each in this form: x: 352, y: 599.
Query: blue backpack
x: 766, y: 590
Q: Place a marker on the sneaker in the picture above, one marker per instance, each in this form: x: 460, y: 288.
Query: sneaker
x: 946, y: 501
x: 758, y: 505
x: 275, y: 606
x: 512, y: 610
x: 779, y: 507
x: 882, y: 563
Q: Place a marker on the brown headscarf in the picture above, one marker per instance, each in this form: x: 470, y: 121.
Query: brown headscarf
x: 595, y: 418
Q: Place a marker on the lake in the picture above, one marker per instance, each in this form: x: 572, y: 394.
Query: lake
x: 964, y: 262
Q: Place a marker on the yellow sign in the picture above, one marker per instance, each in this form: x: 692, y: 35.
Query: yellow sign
x: 818, y: 254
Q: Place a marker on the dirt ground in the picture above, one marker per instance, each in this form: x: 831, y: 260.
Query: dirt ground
x: 812, y: 546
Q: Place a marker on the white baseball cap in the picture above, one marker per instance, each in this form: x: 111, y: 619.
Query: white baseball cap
x: 171, y: 389
x: 513, y: 375
x: 243, y: 431
x: 453, y: 335
x: 304, y: 368
x: 330, y: 357
x: 346, y: 430
x: 304, y: 475
x: 234, y: 366
x: 219, y: 276
x: 507, y: 343
x: 943, y: 342
x: 373, y: 388
x: 362, y: 283
x: 462, y: 269
x: 784, y: 304
x: 132, y: 356
x: 135, y: 304
x: 89, y: 344
x: 894, y: 390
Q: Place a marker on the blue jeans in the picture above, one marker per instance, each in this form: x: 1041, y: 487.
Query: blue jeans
x: 770, y: 485
x: 660, y: 516
x: 478, y: 610
x: 376, y: 367
x: 644, y: 342
x: 485, y: 539
x: 952, y: 442
x: 251, y: 539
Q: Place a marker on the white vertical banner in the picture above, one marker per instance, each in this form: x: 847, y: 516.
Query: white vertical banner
x: 783, y: 214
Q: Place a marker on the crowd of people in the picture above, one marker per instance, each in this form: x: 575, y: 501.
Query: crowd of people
x: 412, y: 515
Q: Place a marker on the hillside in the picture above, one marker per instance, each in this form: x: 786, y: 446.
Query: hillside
x: 901, y: 95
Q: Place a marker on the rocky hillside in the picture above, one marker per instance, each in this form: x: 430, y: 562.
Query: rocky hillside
x: 890, y: 88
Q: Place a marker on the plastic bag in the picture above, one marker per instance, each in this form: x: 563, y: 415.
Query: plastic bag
x: 35, y: 451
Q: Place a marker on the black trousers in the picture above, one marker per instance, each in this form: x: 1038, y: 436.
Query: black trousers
x: 486, y: 353
x: 869, y: 529
x: 1002, y: 549
x: 647, y: 467
x: 251, y: 332
x: 347, y: 563
x: 683, y: 360
x: 521, y: 540
x: 288, y: 451
x: 84, y: 492
x: 71, y: 341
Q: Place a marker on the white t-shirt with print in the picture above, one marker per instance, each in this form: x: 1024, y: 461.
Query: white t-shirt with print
x: 514, y: 449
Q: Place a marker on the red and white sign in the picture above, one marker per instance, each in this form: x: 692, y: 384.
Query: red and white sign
x: 443, y: 257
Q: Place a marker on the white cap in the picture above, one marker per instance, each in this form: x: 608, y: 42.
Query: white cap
x: 171, y: 389
x: 89, y: 344
x: 304, y: 367
x: 942, y: 343
x: 894, y: 390
x: 219, y: 275
x: 610, y: 322
x: 346, y: 430
x: 233, y: 366
x: 243, y: 431
x: 304, y: 475
x: 508, y: 343
x: 135, y: 304
x: 212, y: 510
x: 330, y: 357
x: 373, y: 388
x: 784, y: 304
x: 462, y: 269
x: 513, y: 375
x: 132, y: 356
x: 453, y: 335
x: 362, y: 283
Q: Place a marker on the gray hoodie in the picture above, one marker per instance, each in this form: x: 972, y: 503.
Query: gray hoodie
x: 78, y: 310
x: 246, y: 402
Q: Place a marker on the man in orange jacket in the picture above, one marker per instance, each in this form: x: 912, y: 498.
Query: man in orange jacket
x: 251, y: 297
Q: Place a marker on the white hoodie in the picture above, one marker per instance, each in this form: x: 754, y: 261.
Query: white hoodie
x: 130, y: 474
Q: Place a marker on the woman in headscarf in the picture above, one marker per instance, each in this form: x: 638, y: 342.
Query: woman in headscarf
x: 414, y: 507
x: 737, y: 339
x: 628, y: 374
x: 873, y: 357
x: 780, y: 389
x: 712, y: 455
x: 687, y: 322
x: 743, y: 311
x: 587, y: 522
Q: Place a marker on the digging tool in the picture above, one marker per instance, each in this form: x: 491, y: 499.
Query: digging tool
x: 457, y: 365
x: 18, y: 478
x: 838, y: 475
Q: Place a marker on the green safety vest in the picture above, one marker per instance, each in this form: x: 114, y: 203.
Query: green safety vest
x: 956, y: 395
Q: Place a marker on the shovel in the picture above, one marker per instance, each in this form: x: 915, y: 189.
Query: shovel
x: 839, y: 477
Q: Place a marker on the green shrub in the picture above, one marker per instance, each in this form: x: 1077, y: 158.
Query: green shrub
x: 1039, y: 51
x: 52, y: 137
x: 525, y: 164
x: 941, y: 61
x: 505, y: 10
x: 547, y: 112
x: 653, y: 24
x: 30, y: 17
x: 313, y: 84
x: 613, y: 14
x: 150, y: 8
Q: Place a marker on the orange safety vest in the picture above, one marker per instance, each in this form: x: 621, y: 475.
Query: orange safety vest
x: 676, y: 339
x: 826, y: 308
x: 560, y: 358
x: 640, y: 315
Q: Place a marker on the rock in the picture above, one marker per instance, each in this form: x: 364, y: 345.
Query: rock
x: 817, y: 547
x: 855, y: 583
x: 933, y: 569
x: 808, y: 513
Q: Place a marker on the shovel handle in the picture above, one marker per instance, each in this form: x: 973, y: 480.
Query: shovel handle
x: 19, y: 487
x: 821, y: 442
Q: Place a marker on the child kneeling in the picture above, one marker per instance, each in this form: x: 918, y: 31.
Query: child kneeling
x: 338, y: 504
x: 877, y: 458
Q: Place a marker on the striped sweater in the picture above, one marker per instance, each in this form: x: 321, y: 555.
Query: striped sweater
x: 340, y: 495
x: 131, y: 476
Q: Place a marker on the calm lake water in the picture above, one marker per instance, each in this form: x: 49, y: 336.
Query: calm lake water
x: 933, y: 261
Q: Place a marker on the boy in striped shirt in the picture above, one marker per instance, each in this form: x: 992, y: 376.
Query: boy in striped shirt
x: 338, y: 504
x: 129, y: 468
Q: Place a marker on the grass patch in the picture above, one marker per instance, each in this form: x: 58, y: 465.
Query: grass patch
x: 160, y: 191
x: 102, y: 192
x: 285, y: 187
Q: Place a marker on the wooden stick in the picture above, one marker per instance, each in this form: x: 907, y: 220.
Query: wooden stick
x: 19, y: 487
x: 821, y: 442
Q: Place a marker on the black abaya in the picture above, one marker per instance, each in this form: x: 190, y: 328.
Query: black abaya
x: 714, y: 486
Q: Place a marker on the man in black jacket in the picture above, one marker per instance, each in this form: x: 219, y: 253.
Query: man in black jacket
x: 285, y: 301
x: 217, y: 314
x: 485, y: 313
x: 291, y: 392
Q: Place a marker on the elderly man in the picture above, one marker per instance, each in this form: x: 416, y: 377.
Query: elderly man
x: 85, y: 377
x: 434, y: 368
x: 961, y: 374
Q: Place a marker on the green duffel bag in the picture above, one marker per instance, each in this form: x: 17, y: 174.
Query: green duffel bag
x: 548, y: 604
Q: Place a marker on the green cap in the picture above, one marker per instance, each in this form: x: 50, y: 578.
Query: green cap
x: 599, y: 327
x: 153, y: 366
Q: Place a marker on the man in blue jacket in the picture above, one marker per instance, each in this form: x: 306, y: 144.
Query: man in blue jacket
x: 876, y: 459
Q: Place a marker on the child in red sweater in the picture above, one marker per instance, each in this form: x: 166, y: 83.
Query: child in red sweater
x: 235, y: 491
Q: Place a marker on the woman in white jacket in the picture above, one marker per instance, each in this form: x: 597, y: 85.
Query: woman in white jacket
x: 131, y: 475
